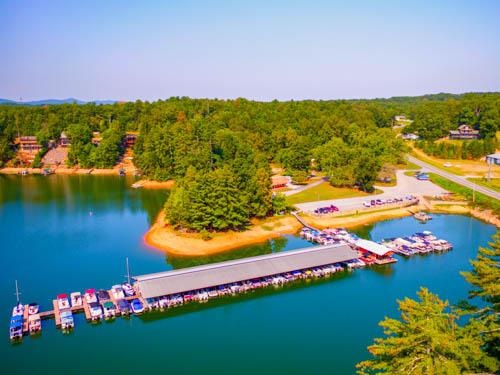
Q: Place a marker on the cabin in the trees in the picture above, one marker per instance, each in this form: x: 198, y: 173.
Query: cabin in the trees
x: 28, y: 143
x: 64, y: 140
x: 130, y: 138
x: 400, y: 121
x: 410, y: 137
x: 96, y: 138
x: 464, y: 132
x: 279, y: 182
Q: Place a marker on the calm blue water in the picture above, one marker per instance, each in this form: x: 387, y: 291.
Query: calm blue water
x: 52, y: 244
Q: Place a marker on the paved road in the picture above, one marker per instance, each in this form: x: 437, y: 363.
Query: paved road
x: 406, y: 185
x: 453, y: 177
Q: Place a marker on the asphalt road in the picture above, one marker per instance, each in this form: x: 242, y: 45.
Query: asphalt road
x: 453, y: 177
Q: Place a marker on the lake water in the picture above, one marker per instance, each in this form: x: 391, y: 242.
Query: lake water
x: 69, y: 233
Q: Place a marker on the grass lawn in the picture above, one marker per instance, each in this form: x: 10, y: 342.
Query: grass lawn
x: 494, y: 184
x: 458, y: 167
x: 412, y: 166
x: 322, y: 192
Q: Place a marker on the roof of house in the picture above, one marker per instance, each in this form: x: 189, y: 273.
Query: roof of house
x: 200, y: 277
x: 373, y: 247
x: 494, y: 156
x: 279, y: 180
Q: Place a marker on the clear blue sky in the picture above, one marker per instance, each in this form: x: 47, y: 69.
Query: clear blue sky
x: 129, y: 50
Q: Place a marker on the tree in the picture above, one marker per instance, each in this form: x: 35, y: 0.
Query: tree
x: 485, y: 279
x: 426, y: 340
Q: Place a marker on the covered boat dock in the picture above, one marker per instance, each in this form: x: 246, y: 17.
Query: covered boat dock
x: 215, y: 274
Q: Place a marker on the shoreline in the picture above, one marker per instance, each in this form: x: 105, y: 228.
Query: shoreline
x: 161, y: 236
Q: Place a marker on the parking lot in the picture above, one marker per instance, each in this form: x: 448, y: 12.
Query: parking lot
x: 405, y: 187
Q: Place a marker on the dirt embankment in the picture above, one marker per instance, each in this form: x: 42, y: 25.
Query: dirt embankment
x: 162, y: 236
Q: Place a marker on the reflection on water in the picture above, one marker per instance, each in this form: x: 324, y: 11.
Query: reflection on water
x: 268, y: 247
x: 81, y: 194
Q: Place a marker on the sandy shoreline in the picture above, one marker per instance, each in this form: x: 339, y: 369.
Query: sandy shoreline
x: 162, y: 236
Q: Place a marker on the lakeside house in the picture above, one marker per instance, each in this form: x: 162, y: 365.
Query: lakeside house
x: 28, y: 143
x: 130, y: 138
x: 279, y: 182
x: 464, y: 132
x: 64, y: 140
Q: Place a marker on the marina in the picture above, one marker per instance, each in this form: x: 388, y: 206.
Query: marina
x: 76, y: 262
x: 340, y: 250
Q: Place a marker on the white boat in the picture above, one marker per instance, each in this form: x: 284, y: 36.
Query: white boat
x: 67, y: 321
x: 34, y: 324
x: 18, y: 310
x: 90, y: 296
x: 33, y: 308
x: 109, y: 310
x: 95, y: 311
x: 128, y: 290
x: 117, y: 292
x: 63, y: 301
x: 76, y: 299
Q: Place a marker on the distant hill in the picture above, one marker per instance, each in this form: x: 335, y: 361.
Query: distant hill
x: 55, y: 101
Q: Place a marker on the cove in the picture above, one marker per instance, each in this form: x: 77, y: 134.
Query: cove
x: 68, y: 233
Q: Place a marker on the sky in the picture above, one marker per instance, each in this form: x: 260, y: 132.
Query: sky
x: 261, y: 50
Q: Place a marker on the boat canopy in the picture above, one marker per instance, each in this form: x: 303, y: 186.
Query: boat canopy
x: 90, y: 291
x: 65, y: 314
x: 61, y: 296
x: 373, y: 247
x: 109, y: 305
x: 94, y: 304
x: 75, y: 294
x: 34, y: 317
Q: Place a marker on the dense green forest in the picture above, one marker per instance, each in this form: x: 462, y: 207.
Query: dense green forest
x: 434, y: 119
x: 220, y: 149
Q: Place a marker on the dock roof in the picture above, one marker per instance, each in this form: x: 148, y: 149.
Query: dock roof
x: 193, y: 278
x: 373, y: 247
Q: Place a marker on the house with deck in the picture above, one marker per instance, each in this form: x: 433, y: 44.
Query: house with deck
x: 464, y: 132
x: 28, y: 143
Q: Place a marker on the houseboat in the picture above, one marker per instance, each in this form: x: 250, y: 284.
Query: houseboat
x: 117, y: 292
x: 124, y: 307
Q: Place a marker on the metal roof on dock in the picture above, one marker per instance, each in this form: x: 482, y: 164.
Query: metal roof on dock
x: 210, y: 275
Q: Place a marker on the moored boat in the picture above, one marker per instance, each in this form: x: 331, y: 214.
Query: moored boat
x: 16, y: 328
x: 137, y: 306
x: 109, y: 310
x: 76, y: 299
x: 34, y: 324
x: 33, y: 308
x: 67, y: 321
x: 63, y: 301
x: 95, y: 311
x: 90, y: 296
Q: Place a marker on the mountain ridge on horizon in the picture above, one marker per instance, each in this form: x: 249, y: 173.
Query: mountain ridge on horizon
x: 441, y: 96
